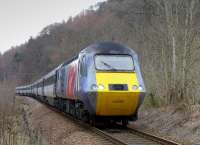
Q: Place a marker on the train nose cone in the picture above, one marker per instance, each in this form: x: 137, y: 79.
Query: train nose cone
x: 117, y: 97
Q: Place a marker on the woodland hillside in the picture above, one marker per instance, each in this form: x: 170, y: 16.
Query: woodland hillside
x: 164, y: 33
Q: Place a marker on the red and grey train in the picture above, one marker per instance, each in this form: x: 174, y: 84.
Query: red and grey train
x: 102, y: 83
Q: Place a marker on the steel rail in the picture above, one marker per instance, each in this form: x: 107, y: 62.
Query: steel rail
x: 85, y: 125
x: 109, y: 136
x: 155, y: 138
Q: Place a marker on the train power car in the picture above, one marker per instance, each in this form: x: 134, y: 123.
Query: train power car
x: 102, y: 83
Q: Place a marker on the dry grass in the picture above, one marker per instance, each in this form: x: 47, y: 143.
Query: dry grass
x: 14, y: 127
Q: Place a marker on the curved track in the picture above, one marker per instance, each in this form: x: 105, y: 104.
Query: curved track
x: 134, y: 137
x: 118, y: 135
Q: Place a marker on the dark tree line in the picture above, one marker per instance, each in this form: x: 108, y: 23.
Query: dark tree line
x: 165, y: 34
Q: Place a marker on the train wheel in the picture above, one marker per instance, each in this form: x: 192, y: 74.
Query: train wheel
x: 124, y: 123
x: 92, y: 121
x: 85, y: 116
x: 77, y: 113
x: 78, y: 110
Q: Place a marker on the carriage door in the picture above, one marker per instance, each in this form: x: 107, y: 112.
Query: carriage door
x: 37, y: 86
x: 82, y: 73
x: 43, y: 87
x: 56, y: 83
x: 62, y: 81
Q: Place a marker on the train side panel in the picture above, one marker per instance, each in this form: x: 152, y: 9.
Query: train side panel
x: 72, y: 80
x: 66, y: 84
x: 48, y: 90
x: 40, y: 91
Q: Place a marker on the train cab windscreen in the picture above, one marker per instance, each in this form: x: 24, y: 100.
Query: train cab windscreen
x: 114, y: 62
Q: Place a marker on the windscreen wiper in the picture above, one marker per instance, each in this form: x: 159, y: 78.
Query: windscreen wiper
x: 106, y: 64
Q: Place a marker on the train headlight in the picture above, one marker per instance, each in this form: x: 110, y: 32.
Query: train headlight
x: 101, y: 87
x: 134, y: 87
x: 94, y: 87
x: 97, y: 87
x: 140, y: 88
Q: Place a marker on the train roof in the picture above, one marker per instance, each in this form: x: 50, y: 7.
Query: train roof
x: 103, y: 48
x: 108, y: 47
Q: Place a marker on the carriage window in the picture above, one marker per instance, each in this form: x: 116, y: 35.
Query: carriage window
x: 114, y: 62
x: 83, y: 68
x: 58, y: 76
x: 50, y: 80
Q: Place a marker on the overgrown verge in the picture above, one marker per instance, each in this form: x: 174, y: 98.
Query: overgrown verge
x: 14, y: 127
x: 178, y: 122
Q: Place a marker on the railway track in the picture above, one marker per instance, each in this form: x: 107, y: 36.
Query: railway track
x: 131, y: 136
x: 118, y: 135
